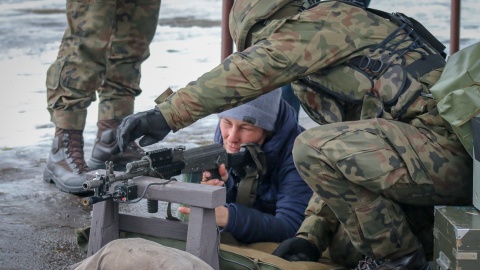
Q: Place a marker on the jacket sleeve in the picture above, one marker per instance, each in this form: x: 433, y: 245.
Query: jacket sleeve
x: 284, y: 51
x: 250, y: 225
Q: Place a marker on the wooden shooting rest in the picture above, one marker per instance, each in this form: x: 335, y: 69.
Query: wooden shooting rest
x: 200, y: 233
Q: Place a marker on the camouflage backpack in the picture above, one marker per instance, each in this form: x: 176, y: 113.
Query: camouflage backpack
x: 458, y: 92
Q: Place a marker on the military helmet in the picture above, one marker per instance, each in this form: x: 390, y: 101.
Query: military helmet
x: 246, y: 13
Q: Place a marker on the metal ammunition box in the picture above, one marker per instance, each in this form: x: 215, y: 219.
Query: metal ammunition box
x: 457, y: 238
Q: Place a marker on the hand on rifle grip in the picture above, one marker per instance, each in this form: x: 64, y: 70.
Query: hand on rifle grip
x: 216, y: 177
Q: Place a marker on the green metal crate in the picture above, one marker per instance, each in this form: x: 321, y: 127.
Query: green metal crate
x: 457, y: 238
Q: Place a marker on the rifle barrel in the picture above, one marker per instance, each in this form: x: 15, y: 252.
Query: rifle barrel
x: 95, y: 183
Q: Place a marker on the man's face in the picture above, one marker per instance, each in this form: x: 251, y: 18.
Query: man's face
x: 236, y: 132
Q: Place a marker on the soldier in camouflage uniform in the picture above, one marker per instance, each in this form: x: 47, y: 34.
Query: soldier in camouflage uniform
x: 364, y: 76
x: 102, y: 50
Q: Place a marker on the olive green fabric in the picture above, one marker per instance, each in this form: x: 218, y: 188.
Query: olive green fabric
x: 232, y: 257
x: 255, y: 256
x: 458, y: 92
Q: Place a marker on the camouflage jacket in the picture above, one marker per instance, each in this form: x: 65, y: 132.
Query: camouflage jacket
x: 312, y: 50
x: 341, y: 65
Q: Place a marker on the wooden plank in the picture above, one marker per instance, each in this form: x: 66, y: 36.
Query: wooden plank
x: 202, y: 235
x: 154, y: 226
x: 104, y: 227
x: 205, y: 196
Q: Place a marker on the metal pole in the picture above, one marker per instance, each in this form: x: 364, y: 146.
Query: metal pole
x: 227, y: 42
x: 455, y: 27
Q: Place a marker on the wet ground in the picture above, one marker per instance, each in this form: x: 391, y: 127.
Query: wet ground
x: 38, y: 222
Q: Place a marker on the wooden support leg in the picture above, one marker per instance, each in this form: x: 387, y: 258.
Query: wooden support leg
x: 104, y: 226
x: 202, y: 235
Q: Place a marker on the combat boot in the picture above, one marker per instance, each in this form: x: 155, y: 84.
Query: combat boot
x: 66, y: 165
x: 105, y: 141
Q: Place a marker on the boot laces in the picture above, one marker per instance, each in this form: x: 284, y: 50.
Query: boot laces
x: 75, y: 150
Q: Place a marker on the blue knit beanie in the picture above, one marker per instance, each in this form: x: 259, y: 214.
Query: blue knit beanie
x: 261, y: 112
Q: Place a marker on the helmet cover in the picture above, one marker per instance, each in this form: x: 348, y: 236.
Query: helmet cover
x: 246, y: 13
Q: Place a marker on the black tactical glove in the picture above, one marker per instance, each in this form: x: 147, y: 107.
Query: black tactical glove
x: 297, y: 249
x: 150, y: 124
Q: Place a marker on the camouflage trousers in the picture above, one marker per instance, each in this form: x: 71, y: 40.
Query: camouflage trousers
x: 322, y: 228
x: 105, y: 43
x: 365, y: 170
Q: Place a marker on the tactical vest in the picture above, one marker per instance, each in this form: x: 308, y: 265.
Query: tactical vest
x: 378, y: 79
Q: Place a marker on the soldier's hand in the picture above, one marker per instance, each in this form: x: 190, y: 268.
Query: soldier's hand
x: 216, y: 179
x: 297, y: 249
x: 150, y: 124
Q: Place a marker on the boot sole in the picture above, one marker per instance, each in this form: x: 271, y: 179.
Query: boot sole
x: 49, y: 177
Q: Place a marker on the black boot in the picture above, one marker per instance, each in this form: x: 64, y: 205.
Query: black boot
x: 66, y: 165
x: 104, y: 143
x: 413, y: 261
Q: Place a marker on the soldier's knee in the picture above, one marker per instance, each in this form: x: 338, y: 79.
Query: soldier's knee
x: 300, y: 149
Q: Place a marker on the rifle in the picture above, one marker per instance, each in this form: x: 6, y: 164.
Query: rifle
x: 167, y: 162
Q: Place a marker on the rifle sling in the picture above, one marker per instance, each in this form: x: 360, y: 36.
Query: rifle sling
x: 247, y: 187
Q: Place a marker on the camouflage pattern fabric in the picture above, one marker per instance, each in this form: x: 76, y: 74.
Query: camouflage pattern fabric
x: 241, y: 18
x: 381, y: 141
x: 301, y: 49
x: 364, y: 169
x: 322, y: 228
x: 102, y: 50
